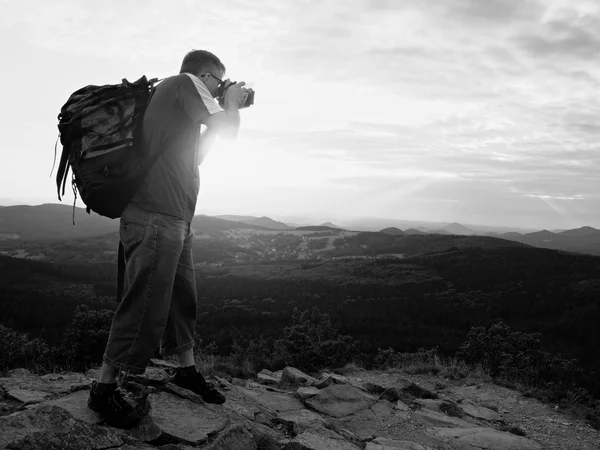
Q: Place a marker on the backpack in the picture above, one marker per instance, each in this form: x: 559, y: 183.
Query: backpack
x: 100, y: 131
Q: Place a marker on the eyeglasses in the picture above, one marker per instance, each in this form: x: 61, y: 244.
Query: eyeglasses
x: 216, y: 78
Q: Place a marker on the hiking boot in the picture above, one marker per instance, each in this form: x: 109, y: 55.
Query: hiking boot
x: 113, y: 407
x: 198, y: 385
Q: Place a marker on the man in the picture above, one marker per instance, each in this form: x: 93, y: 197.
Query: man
x: 159, y: 302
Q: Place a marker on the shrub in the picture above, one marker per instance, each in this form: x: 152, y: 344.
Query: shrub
x: 85, y: 339
x: 518, y: 357
x: 17, y: 350
x: 421, y: 361
x: 312, y: 342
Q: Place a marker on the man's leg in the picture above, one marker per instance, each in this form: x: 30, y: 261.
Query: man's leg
x: 178, y: 338
x: 108, y: 374
x: 186, y: 358
x: 152, y: 245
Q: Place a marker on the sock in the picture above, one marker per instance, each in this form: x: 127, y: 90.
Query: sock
x: 187, y: 371
x: 105, y: 388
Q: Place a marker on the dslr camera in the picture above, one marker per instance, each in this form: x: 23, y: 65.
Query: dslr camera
x: 224, y: 85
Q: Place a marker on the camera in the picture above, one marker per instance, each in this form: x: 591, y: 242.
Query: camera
x: 223, y: 86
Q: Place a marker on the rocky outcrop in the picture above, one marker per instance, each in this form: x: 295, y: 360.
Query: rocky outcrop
x: 285, y: 410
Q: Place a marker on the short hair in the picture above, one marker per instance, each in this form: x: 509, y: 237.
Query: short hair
x: 197, y: 60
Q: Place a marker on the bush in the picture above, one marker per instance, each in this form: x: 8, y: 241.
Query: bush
x: 518, y: 357
x: 421, y: 361
x: 17, y: 350
x: 312, y: 342
x: 85, y: 339
x: 317, y: 244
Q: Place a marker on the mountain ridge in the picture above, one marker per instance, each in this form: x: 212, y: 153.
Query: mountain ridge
x: 54, y: 221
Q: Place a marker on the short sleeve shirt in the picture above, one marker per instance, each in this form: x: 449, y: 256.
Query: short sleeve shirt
x: 179, y: 106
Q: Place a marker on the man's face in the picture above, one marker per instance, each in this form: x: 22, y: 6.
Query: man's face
x: 212, y: 77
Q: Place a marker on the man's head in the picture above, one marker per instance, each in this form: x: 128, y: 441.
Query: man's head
x: 205, y: 66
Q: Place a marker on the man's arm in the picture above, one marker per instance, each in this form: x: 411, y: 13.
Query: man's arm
x: 227, y: 123
x: 205, y: 143
x: 197, y: 102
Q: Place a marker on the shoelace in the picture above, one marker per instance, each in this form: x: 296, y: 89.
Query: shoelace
x: 119, y: 401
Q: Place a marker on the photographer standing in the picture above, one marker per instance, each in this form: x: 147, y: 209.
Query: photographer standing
x: 159, y: 302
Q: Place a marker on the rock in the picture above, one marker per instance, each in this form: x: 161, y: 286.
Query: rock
x: 273, y: 401
x: 394, y: 394
x: 76, y: 404
x: 320, y: 439
x: 27, y: 396
x: 382, y: 408
x: 153, y: 376
x: 238, y: 381
x: 247, y: 412
x: 182, y: 420
x: 239, y: 402
x: 294, y: 377
x: 174, y: 447
x: 267, y: 377
x: 363, y: 414
x: 372, y: 388
x: 162, y: 363
x: 431, y: 418
x: 21, y: 380
x: 401, y: 406
x: 484, y: 438
x: 418, y: 392
x: 16, y: 373
x: 183, y: 393
x: 265, y: 437
x: 301, y: 420
x: 50, y: 427
x: 147, y: 430
x: 443, y: 406
x: 327, y: 379
x: 306, y: 392
x: 340, y: 400
x: 390, y: 444
x: 433, y: 405
x: 480, y: 412
x: 235, y: 437
x: 350, y: 437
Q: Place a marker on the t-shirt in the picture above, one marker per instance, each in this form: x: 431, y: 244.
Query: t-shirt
x: 179, y: 106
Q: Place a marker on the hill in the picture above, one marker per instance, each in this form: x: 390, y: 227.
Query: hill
x: 55, y: 222
x: 582, y: 240
x: 329, y: 224
x: 583, y: 231
x: 52, y: 221
x: 392, y: 230
x: 23, y: 229
x: 457, y: 228
x: 415, y: 231
x: 267, y: 222
x: 316, y: 228
x: 263, y: 221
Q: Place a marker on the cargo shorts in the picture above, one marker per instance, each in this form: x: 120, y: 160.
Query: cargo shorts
x: 158, y: 307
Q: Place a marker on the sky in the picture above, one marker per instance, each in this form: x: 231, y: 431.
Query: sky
x: 473, y: 111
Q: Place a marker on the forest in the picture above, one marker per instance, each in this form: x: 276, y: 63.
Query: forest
x: 430, y: 299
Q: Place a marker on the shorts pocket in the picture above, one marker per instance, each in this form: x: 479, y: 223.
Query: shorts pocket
x: 131, y: 233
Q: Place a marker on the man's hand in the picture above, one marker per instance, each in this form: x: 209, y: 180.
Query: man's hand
x: 227, y: 123
x: 235, y: 96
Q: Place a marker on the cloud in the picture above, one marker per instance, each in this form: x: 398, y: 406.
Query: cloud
x: 568, y: 39
x: 493, y: 12
x: 497, y: 95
